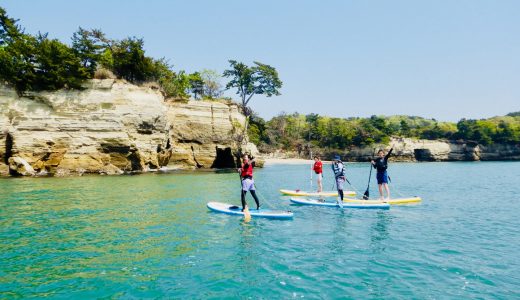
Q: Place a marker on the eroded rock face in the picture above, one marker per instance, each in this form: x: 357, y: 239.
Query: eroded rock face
x: 109, y: 127
x: 204, y: 134
x: 426, y: 150
x: 499, y: 152
x: 112, y: 127
x: 19, y: 167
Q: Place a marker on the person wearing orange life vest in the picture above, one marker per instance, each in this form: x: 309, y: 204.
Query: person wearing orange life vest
x: 248, y: 184
x: 318, y: 169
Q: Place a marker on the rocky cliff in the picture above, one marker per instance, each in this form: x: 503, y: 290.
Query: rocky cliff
x: 111, y: 127
x: 203, y: 133
x: 407, y: 149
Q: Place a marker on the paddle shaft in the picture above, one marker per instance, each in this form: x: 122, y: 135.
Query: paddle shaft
x: 366, y: 195
x: 371, y: 167
x: 310, y: 152
x: 241, y: 189
x: 370, y: 175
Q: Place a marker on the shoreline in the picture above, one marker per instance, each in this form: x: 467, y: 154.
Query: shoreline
x: 301, y: 161
x: 285, y: 161
x: 291, y: 161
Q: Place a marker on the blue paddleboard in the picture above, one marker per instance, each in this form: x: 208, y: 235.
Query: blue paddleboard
x: 261, y: 213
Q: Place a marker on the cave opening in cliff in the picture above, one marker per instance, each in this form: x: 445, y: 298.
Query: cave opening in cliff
x: 224, y: 158
x: 423, y: 155
x: 8, y: 148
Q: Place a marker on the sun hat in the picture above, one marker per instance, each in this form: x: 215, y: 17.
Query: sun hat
x: 337, y: 157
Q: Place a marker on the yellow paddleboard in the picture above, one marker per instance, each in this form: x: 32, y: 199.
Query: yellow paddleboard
x: 315, y: 194
x: 391, y: 201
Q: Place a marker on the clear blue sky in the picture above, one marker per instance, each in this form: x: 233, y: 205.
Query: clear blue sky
x: 440, y: 59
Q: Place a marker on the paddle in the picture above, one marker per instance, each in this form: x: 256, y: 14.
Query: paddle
x: 310, y: 153
x: 247, y: 215
x: 311, y: 169
x: 366, y: 195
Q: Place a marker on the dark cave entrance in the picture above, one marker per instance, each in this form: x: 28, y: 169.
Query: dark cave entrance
x: 224, y: 158
x: 8, y: 148
x: 423, y: 155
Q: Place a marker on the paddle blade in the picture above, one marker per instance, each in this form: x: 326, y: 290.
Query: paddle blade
x: 366, y: 195
x: 247, y: 215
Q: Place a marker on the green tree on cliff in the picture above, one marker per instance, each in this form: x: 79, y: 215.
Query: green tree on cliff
x: 404, y: 129
x: 57, y: 66
x: 196, y: 84
x: 36, y: 62
x: 16, y: 54
x: 261, y: 79
x: 88, y: 47
x: 211, y: 84
x: 130, y: 61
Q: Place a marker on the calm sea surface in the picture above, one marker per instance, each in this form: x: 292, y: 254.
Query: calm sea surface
x: 151, y: 236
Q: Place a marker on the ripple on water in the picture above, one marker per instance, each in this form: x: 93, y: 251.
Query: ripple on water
x: 152, y: 236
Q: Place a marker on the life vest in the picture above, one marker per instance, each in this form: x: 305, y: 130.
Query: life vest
x: 339, y: 169
x: 381, y: 164
x: 318, y: 167
x: 247, y: 170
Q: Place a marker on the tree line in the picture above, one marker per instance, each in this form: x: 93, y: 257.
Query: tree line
x: 36, y: 62
x: 296, y: 131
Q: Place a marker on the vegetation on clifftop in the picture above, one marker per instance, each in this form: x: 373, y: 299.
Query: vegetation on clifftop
x: 37, y: 62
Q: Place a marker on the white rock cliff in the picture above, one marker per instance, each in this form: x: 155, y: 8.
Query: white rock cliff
x: 111, y: 127
x: 407, y: 149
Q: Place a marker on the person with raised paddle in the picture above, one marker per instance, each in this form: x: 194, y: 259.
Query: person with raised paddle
x: 339, y: 173
x: 318, y: 169
x: 248, y: 184
x: 381, y: 165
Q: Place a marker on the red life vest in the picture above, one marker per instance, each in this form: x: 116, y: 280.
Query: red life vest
x: 247, y: 170
x: 318, y: 167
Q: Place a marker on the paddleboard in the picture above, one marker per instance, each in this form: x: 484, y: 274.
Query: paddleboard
x: 261, y: 213
x: 395, y: 201
x: 315, y: 194
x: 315, y: 202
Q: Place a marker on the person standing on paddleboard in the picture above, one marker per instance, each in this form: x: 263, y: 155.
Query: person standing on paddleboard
x: 248, y: 184
x: 339, y: 172
x: 318, y: 169
x: 381, y: 164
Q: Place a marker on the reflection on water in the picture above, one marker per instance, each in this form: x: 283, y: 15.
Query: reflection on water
x: 380, y: 230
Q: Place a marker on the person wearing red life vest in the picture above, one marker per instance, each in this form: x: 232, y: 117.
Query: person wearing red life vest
x: 248, y: 184
x: 318, y: 169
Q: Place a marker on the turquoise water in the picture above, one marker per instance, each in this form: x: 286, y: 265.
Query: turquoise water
x: 151, y: 236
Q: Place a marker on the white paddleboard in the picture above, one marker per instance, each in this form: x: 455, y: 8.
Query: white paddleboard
x: 261, y: 213
x: 315, y: 202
